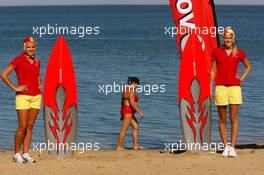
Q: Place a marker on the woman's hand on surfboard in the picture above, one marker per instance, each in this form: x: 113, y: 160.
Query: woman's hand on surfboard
x: 40, y: 86
x: 21, y: 88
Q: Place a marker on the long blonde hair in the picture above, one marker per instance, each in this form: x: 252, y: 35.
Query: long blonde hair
x: 232, y: 32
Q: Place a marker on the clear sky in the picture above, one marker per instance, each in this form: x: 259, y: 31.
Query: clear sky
x: 99, y: 2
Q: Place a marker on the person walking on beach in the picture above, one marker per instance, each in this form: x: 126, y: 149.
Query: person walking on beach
x: 28, y: 96
x: 227, y: 81
x: 128, y: 108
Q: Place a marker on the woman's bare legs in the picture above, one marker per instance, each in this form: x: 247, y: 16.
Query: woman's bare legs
x: 222, y: 123
x: 135, y: 128
x: 21, y: 130
x: 32, y: 116
x: 125, y: 124
x: 26, y: 120
x: 233, y: 110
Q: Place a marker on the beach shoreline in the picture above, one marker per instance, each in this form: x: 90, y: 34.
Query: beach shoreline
x: 248, y: 161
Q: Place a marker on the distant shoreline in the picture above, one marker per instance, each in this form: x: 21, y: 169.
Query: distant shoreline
x: 78, y: 5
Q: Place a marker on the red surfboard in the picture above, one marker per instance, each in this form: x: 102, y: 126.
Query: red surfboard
x: 194, y: 95
x: 194, y: 77
x: 60, y: 100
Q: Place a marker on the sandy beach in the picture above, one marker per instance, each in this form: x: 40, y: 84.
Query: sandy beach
x: 130, y: 162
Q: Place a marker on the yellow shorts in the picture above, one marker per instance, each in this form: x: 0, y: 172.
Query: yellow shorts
x: 28, y: 101
x: 225, y: 95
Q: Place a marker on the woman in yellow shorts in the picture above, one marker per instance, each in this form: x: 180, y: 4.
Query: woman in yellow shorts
x: 227, y: 81
x: 28, y: 96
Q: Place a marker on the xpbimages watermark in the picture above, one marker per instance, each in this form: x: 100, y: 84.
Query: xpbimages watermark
x: 79, y: 147
x: 211, y: 31
x: 147, y: 89
x: 80, y: 31
x: 182, y: 146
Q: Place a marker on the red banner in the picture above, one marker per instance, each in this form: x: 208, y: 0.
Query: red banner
x: 196, y: 17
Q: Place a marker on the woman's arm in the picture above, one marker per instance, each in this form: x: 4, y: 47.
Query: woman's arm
x: 134, y: 105
x: 5, y: 78
x: 40, y: 85
x: 212, y: 74
x: 246, y: 71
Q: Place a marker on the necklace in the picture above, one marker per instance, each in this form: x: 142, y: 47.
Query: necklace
x: 228, y: 52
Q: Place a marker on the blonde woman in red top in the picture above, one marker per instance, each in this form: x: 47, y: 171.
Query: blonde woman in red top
x: 227, y: 81
x: 28, y: 96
